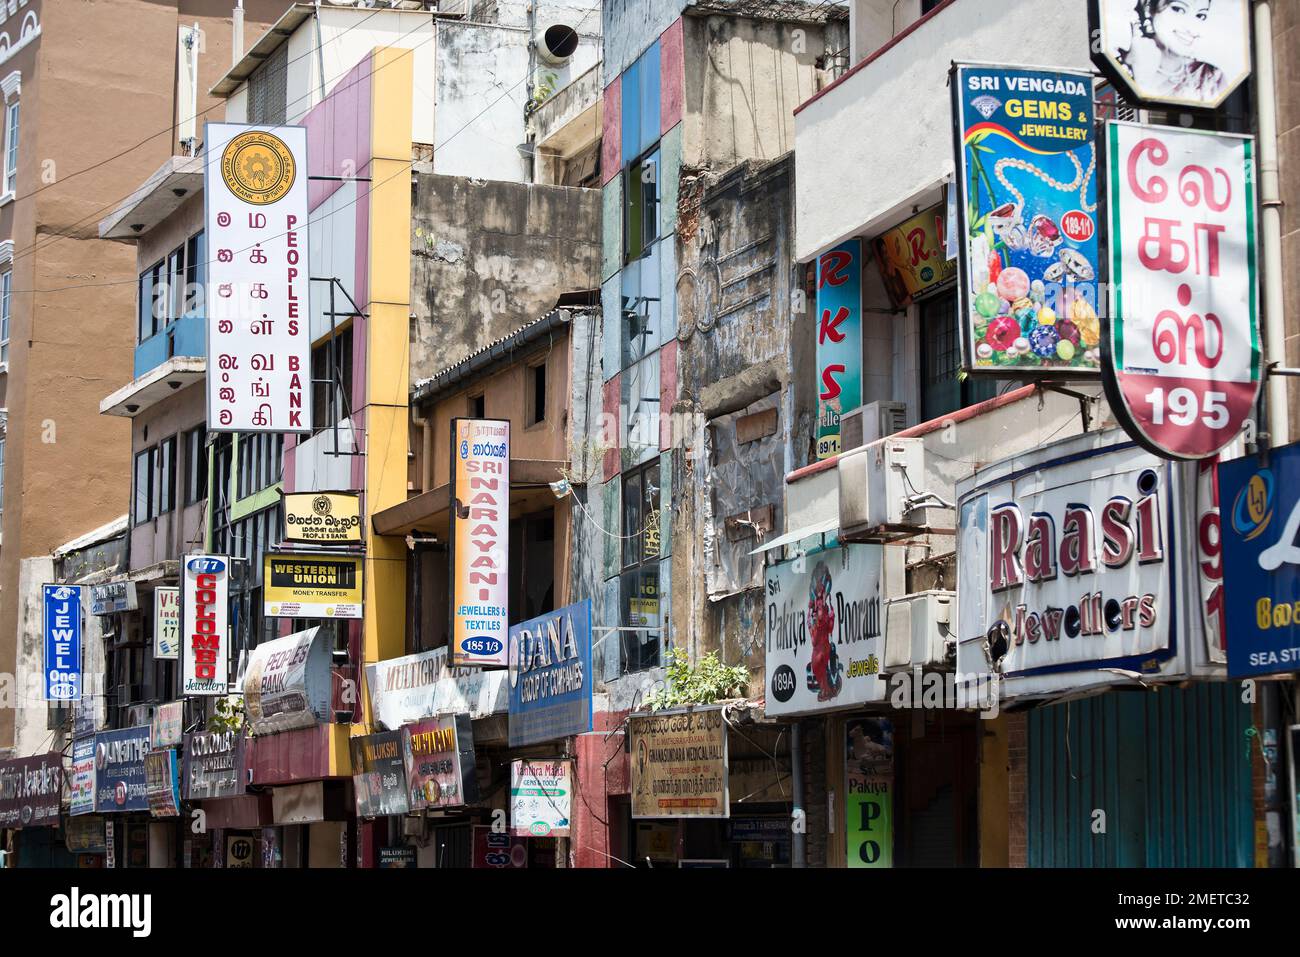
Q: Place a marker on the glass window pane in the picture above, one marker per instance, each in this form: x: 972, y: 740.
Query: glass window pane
x: 631, y: 112
x: 650, y: 540
x: 649, y: 97
x: 640, y: 423
x: 11, y: 151
x: 632, y: 498
x: 140, y: 506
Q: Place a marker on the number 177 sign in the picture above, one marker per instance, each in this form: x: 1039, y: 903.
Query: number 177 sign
x: 1184, y: 324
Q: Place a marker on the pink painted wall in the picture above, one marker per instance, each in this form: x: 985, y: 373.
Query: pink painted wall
x: 672, y: 77
x: 611, y: 131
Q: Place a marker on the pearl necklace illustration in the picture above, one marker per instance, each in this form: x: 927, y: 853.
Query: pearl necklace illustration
x: 1080, y: 180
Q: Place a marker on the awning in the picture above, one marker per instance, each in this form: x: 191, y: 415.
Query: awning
x: 799, y: 534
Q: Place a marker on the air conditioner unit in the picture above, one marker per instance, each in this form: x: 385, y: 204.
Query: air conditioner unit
x: 918, y: 631
x: 876, y: 482
x: 880, y: 420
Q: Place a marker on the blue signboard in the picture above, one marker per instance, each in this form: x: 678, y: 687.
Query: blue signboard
x: 1259, y: 506
x: 119, y: 770
x: 550, y: 676
x: 839, y: 341
x: 62, y: 642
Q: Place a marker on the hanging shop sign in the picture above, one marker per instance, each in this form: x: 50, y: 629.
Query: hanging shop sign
x: 402, y: 856
x: 1183, y: 368
x: 259, y: 341
x: 1181, y: 53
x: 214, y: 764
x: 31, y: 790
x: 167, y: 623
x: 913, y: 256
x: 239, y: 851
x: 110, y: 598
x: 166, y: 727
x: 62, y: 642
x: 311, y: 586
x: 82, y: 776
x: 1026, y: 164
x: 119, y: 770
x: 550, y: 676
x: 480, y: 541
x: 498, y: 850
x: 438, y: 754
x: 869, y: 792
x: 1209, y: 554
x: 288, y: 683
x: 403, y: 690
x: 839, y: 341
x: 1065, y: 561
x: 823, y: 625
x: 379, y: 774
x: 162, y: 783
x: 206, y: 644
x: 540, y: 796
x: 84, y: 835
x: 322, y: 518
x: 679, y: 764
x: 1261, y: 561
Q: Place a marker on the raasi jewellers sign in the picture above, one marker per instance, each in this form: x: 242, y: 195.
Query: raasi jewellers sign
x: 1066, y: 561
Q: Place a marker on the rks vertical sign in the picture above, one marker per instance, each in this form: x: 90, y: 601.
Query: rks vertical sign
x: 839, y: 341
x: 205, y: 648
x: 62, y: 642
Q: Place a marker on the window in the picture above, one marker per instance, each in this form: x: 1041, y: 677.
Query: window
x: 478, y: 406
x: 166, y: 476
x: 331, y: 400
x: 641, y: 215
x: 259, y: 462
x: 11, y: 148
x: 172, y: 288
x: 6, y: 290
x: 639, y: 584
x: 196, y: 465
x: 196, y: 274
x: 142, y: 503
x: 268, y: 89
x: 941, y: 389
x: 536, y: 396
x: 151, y: 287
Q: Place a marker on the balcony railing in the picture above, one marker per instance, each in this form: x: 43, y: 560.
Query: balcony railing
x: 182, y: 337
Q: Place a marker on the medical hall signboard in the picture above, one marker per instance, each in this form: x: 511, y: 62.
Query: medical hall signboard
x: 259, y: 341
x: 1183, y: 339
x: 1065, y: 561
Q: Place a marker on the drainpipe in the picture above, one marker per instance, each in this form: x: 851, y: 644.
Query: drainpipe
x: 237, y: 33
x: 799, y: 816
x: 1270, y: 222
x: 426, y: 445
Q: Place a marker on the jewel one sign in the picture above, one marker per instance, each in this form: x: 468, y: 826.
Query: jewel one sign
x: 1184, y: 327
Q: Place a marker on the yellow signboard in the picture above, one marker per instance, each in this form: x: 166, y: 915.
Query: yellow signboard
x: 311, y: 586
x: 912, y: 256
x: 679, y: 764
x: 322, y: 518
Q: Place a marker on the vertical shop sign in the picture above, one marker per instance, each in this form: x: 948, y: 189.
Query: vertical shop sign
x: 480, y: 542
x: 62, y: 642
x: 167, y: 623
x: 1183, y: 341
x: 839, y: 341
x: 540, y: 795
x: 206, y: 604
x: 259, y: 343
x: 869, y: 792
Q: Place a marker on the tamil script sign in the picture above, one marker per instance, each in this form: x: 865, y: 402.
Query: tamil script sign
x: 82, y: 783
x: 62, y: 642
x: 439, y: 758
x: 206, y: 651
x: 259, y: 343
x: 541, y: 793
x: 679, y: 764
x: 403, y: 690
x: 322, y: 518
x: 30, y: 790
x: 119, y: 770
x: 839, y: 341
x: 379, y: 774
x: 311, y: 586
x: 1184, y: 320
x: 550, y: 676
x: 480, y: 541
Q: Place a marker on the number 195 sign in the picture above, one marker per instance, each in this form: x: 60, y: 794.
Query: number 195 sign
x: 1184, y: 324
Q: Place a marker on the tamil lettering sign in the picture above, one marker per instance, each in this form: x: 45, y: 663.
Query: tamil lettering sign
x: 162, y: 783
x: 480, y: 541
x: 912, y: 257
x: 166, y: 727
x: 550, y: 676
x: 1026, y: 163
x: 214, y: 765
x: 82, y: 781
x: 1182, y: 53
x: 167, y: 623
x: 379, y: 774
x: 311, y: 586
x: 287, y: 683
x: 110, y: 598
x: 439, y: 757
x: 206, y: 649
x: 259, y: 341
x: 823, y: 630
x: 1183, y: 344
x: 541, y: 793
x: 1260, y: 502
x: 403, y: 690
x: 869, y: 792
x: 498, y: 850
x: 1064, y: 561
x: 679, y: 764
x: 31, y: 790
x: 322, y: 518
x: 839, y: 341
x: 62, y: 605
x: 119, y: 770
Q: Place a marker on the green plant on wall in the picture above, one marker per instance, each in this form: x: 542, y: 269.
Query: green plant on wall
x: 704, y: 683
x: 542, y: 92
x: 228, y: 716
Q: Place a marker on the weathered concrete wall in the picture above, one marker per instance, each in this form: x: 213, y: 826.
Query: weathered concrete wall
x: 489, y: 257
x: 630, y: 26
x: 31, y: 733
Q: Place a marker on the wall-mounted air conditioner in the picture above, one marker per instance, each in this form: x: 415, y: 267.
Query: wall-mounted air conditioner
x: 877, y: 483
x: 919, y: 632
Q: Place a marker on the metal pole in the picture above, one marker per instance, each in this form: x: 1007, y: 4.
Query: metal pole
x: 799, y: 819
x: 1270, y: 221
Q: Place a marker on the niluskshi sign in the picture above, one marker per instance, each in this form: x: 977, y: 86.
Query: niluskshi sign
x: 1026, y: 163
x: 206, y: 643
x: 259, y: 343
x: 62, y: 642
x: 1183, y: 331
x: 480, y: 541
